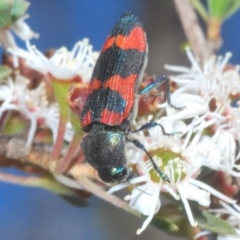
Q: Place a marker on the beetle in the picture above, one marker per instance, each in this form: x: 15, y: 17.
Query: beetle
x: 113, y: 100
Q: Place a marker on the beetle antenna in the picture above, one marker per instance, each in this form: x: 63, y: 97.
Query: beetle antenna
x: 131, y: 175
x: 140, y: 146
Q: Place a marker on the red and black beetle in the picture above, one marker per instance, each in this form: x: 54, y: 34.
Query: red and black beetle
x: 113, y: 98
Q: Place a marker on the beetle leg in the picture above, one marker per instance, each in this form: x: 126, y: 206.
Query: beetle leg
x: 150, y: 125
x: 157, y: 83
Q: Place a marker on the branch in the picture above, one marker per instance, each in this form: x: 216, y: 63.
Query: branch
x: 192, y: 29
x: 40, y: 155
x: 99, y: 192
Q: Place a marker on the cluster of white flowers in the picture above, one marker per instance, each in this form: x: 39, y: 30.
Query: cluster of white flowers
x: 31, y: 104
x: 63, y: 64
x: 208, y: 140
x: 211, y: 94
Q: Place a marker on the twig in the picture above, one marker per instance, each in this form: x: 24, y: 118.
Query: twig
x: 99, y: 192
x: 192, y: 29
x: 19, y: 180
x: 14, y: 148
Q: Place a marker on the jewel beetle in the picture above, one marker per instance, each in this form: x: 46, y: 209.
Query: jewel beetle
x: 112, y: 100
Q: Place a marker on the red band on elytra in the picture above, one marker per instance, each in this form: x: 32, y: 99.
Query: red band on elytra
x: 135, y: 40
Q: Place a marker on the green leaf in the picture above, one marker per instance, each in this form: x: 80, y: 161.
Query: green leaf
x: 19, y: 8
x: 74, y: 119
x: 60, y: 92
x: 5, y: 71
x: 217, y: 8
x: 11, y: 10
x: 5, y: 13
x: 211, y: 222
x: 200, y: 9
x: 221, y: 9
x: 173, y: 219
x: 14, y: 124
x: 232, y: 8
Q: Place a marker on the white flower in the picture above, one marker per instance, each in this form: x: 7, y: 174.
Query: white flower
x: 181, y: 160
x: 63, y: 64
x: 208, y: 92
x: 31, y: 104
x: 208, y: 88
x: 20, y: 28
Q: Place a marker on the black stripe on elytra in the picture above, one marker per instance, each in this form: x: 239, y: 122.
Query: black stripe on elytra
x: 125, y: 25
x: 115, y: 60
x: 103, y: 98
